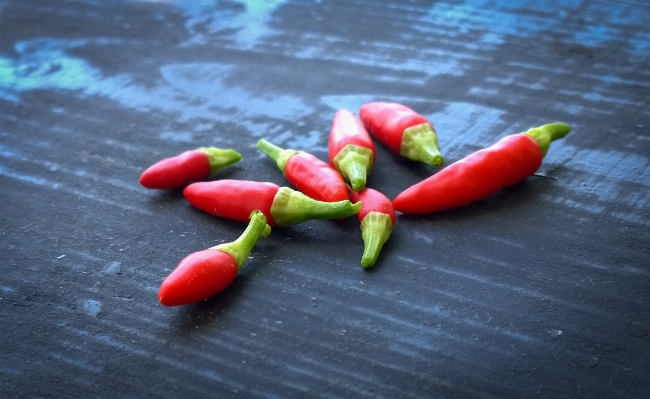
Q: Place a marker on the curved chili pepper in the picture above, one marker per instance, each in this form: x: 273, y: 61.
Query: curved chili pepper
x: 210, y: 271
x: 188, y: 167
x: 377, y: 217
x: 403, y: 130
x: 282, y: 206
x: 509, y: 161
x: 350, y: 149
x: 307, y: 173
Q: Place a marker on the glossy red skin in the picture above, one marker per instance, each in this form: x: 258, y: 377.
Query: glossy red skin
x: 315, y: 178
x: 348, y: 129
x: 233, y: 199
x: 174, y: 172
x: 387, y: 122
x: 198, y: 276
x: 509, y: 161
x: 373, y: 201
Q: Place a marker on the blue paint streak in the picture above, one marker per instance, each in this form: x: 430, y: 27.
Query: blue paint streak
x: 177, y: 137
x: 5, y: 288
x: 189, y: 90
x: 6, y: 152
x: 249, y: 23
x: 503, y: 18
x: 28, y: 179
x: 593, y: 36
x: 641, y: 42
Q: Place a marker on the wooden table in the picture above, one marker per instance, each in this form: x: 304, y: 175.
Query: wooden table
x: 540, y: 290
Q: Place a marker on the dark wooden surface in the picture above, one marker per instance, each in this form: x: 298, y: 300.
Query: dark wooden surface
x: 538, y: 291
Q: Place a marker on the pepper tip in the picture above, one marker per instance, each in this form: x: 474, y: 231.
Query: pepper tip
x: 358, y: 184
x: 437, y: 161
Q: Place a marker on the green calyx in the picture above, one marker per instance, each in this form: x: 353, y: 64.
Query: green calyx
x: 219, y: 158
x: 279, y: 155
x: 545, y: 134
x: 376, y: 227
x: 242, y: 247
x: 354, y: 163
x: 293, y: 207
x: 420, y: 143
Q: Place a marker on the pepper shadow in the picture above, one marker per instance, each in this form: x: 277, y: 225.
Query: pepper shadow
x: 191, y: 317
x: 382, y: 260
x: 389, y: 178
x: 159, y: 197
x: 514, y: 199
x: 176, y: 194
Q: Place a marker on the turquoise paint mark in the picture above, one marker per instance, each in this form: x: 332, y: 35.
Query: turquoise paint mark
x: 498, y: 19
x: 188, y: 90
x: 44, y: 64
x: 249, y: 24
x: 503, y: 18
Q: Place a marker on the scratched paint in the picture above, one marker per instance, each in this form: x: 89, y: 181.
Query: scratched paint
x: 92, y: 307
x: 113, y: 268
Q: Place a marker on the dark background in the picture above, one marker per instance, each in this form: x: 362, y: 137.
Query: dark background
x: 540, y: 290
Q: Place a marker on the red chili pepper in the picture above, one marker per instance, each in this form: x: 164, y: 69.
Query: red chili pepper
x: 509, y: 161
x: 307, y: 173
x: 210, y: 271
x: 350, y: 149
x: 282, y: 206
x: 403, y: 130
x: 188, y: 167
x: 377, y: 217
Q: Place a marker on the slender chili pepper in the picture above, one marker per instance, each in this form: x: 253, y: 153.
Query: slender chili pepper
x: 307, y: 173
x: 188, y: 167
x: 282, y: 206
x: 403, y: 130
x: 210, y: 271
x: 509, y: 161
x: 350, y: 149
x: 377, y: 217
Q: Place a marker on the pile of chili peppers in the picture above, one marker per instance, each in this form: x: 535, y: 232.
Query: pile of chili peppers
x: 335, y: 189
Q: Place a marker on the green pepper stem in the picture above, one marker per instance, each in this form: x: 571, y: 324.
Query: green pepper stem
x: 279, y: 155
x: 376, y: 227
x: 354, y: 163
x: 219, y: 159
x: 420, y: 143
x: 241, y: 247
x: 293, y: 207
x: 545, y: 134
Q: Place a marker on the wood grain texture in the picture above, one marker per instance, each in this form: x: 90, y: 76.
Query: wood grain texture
x: 541, y: 290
